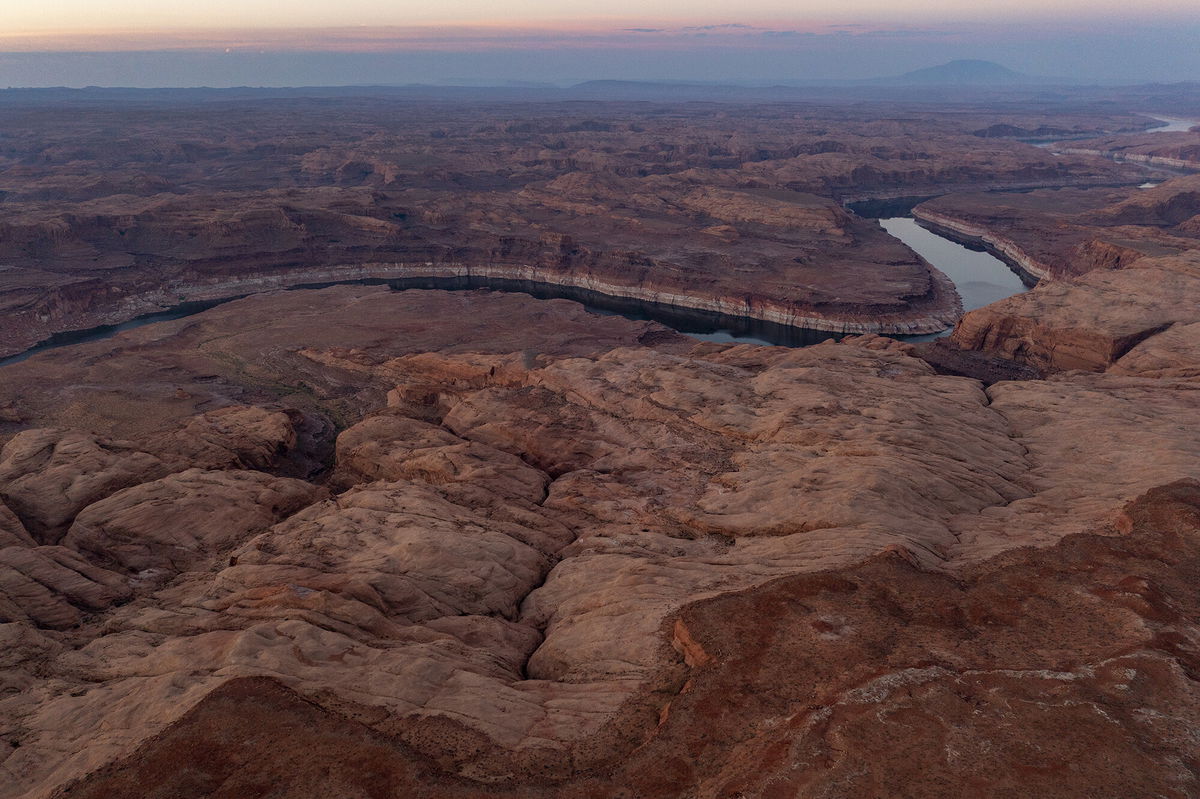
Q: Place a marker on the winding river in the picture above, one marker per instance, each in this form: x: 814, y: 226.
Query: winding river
x: 1173, y: 125
x: 1170, y: 125
x: 979, y: 277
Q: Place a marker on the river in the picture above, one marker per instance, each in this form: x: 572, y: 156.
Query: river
x: 1174, y: 124
x: 980, y: 278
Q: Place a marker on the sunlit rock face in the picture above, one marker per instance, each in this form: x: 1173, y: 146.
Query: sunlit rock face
x: 350, y: 541
x: 1118, y: 275
x: 581, y: 555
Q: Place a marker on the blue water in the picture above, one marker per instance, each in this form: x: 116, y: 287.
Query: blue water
x: 980, y: 278
x: 1174, y: 124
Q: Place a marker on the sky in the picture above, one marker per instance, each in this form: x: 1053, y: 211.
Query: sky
x: 327, y: 42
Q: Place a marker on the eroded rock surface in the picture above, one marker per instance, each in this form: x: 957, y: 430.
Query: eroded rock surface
x: 53, y: 586
x: 48, y: 475
x: 1051, y: 671
x: 1089, y: 322
x: 547, y: 563
x: 118, y: 211
x: 1117, y: 267
x: 174, y: 523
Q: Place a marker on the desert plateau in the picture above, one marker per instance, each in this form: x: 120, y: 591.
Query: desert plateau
x: 382, y: 443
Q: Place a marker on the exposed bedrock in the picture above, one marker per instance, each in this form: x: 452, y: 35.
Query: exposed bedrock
x: 1068, y: 232
x: 1174, y: 150
x: 1005, y: 249
x: 1117, y: 267
x: 356, y: 542
x: 551, y: 563
x: 691, y: 206
x: 170, y: 525
x: 1089, y: 322
x: 1055, y: 671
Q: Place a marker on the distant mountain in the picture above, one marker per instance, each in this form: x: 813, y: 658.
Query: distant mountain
x: 954, y: 77
x: 964, y: 73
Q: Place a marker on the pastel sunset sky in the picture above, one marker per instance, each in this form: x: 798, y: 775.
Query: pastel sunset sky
x: 311, y: 42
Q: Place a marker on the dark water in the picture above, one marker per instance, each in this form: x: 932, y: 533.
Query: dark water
x: 704, y: 325
x: 1173, y: 125
x: 980, y: 278
x: 69, y: 337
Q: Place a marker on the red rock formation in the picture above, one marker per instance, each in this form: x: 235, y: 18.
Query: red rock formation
x: 1116, y: 267
x: 1178, y: 150
x: 1054, y: 671
x: 303, y: 195
x: 1091, y: 321
x: 154, y: 527
x: 362, y: 542
x: 536, y: 569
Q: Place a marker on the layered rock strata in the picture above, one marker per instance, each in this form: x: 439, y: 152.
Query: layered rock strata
x: 1174, y: 150
x: 1053, y: 671
x: 1117, y: 268
x: 1092, y: 321
x: 1005, y: 249
x: 692, y: 206
x: 508, y: 577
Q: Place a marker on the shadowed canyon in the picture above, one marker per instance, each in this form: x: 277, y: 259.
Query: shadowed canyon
x: 337, y: 530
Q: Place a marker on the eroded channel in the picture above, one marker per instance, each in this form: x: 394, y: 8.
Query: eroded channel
x: 979, y: 277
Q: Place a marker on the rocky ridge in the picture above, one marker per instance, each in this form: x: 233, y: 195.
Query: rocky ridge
x: 734, y: 209
x: 1117, y: 270
x: 509, y: 566
x: 352, y: 541
x: 1174, y: 150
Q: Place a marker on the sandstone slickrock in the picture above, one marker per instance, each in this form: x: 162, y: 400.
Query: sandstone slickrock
x: 1175, y: 352
x: 234, y: 437
x: 146, y: 382
x: 1117, y: 267
x: 51, y: 586
x: 47, y: 476
x: 509, y: 589
x: 1091, y: 321
x: 353, y: 541
x: 172, y: 523
x: 1052, y: 671
x: 11, y: 529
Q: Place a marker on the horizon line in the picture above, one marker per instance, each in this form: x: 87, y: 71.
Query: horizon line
x: 764, y: 34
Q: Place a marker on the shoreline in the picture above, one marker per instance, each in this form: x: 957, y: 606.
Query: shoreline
x: 939, y: 310
x: 928, y: 192
x: 932, y: 314
x: 1024, y: 265
x: 1163, y: 162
